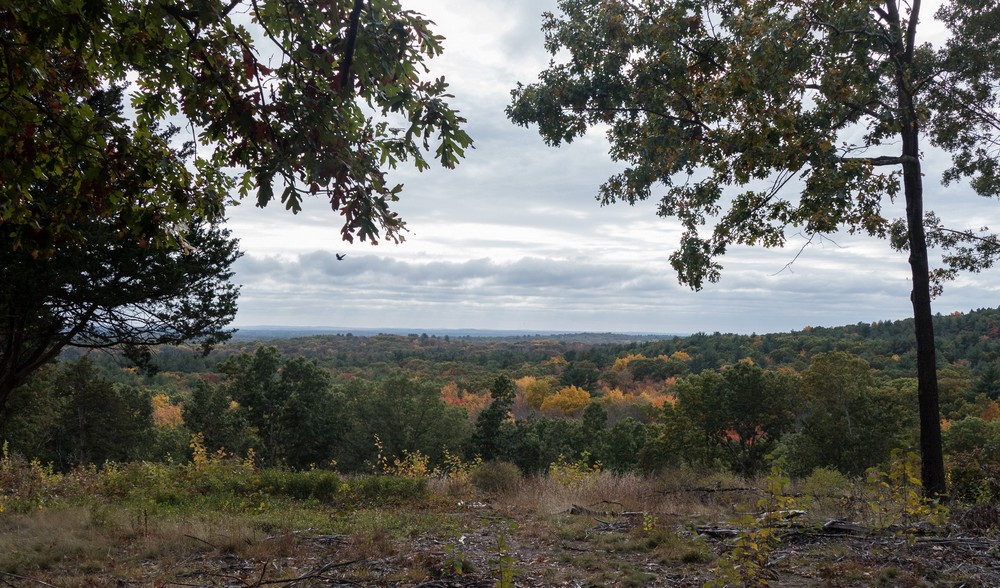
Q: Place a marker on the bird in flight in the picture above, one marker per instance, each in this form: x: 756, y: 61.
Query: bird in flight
x: 340, y: 256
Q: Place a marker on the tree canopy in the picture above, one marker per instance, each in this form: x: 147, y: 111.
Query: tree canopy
x: 293, y: 98
x: 747, y: 119
x: 126, y: 128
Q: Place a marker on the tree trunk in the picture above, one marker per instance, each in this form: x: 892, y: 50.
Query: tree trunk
x: 931, y: 456
x: 932, y: 459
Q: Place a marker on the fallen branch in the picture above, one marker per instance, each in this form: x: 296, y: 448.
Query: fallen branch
x: 36, y: 581
x: 317, y: 573
x: 212, y: 545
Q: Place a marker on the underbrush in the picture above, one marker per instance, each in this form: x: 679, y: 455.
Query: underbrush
x: 110, y: 522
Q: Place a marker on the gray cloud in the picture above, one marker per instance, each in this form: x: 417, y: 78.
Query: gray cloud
x: 514, y: 237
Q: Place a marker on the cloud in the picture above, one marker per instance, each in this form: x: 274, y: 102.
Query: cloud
x: 514, y: 237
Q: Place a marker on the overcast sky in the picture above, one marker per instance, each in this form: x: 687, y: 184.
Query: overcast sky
x: 515, y: 239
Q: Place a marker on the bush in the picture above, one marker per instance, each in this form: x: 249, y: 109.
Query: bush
x: 496, y: 476
x: 825, y: 481
x: 315, y: 484
x: 974, y: 477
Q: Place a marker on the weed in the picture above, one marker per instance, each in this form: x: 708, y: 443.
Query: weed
x: 504, y: 561
x: 893, y: 495
x: 575, y: 474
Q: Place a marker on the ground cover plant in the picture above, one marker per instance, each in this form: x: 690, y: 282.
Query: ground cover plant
x: 219, y: 520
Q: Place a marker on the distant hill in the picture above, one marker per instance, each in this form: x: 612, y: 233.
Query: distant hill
x: 266, y: 332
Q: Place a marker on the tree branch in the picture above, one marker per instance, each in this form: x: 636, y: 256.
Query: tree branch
x: 884, y: 160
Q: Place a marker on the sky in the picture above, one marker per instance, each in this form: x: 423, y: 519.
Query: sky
x: 515, y: 239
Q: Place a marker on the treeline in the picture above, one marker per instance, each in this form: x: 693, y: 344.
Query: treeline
x: 834, y: 398
x: 971, y: 339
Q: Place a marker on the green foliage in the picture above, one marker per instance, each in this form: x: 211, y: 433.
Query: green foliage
x: 75, y: 296
x: 973, y: 465
x: 496, y: 476
x: 273, y: 95
x: 286, y: 406
x: 621, y: 446
x: 306, y: 99
x: 386, y: 489
x: 72, y: 415
x: 405, y: 413
x: 825, y: 482
x: 743, y: 410
x: 489, y: 440
x: 503, y: 559
x: 742, y: 116
x: 847, y: 423
x: 678, y: 86
x: 323, y: 485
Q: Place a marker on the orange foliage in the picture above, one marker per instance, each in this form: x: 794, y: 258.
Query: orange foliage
x: 166, y: 415
x: 654, y: 397
x: 646, y: 393
x: 566, y: 401
x: 681, y: 356
x: 991, y: 412
x: 472, y: 403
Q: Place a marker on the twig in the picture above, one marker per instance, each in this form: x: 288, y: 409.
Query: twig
x: 707, y: 490
x: 28, y: 579
x: 212, y: 545
x: 263, y: 570
x: 318, y: 572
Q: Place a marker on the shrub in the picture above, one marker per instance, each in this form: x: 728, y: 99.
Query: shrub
x: 496, y: 476
x: 826, y: 481
x: 974, y: 477
x: 315, y: 484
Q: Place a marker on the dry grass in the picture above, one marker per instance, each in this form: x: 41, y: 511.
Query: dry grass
x: 451, y: 528
x: 74, y: 544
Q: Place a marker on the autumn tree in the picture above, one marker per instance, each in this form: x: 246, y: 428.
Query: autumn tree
x: 753, y: 118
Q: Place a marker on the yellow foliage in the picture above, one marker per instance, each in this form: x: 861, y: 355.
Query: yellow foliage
x: 567, y: 400
x: 557, y: 361
x: 534, y: 390
x: 681, y: 356
x: 166, y: 415
x: 621, y: 364
x: 614, y: 396
x: 574, y: 474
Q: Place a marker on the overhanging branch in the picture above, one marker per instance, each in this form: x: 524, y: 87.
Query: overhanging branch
x: 884, y: 160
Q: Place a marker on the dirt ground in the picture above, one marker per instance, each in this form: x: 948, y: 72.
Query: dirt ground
x: 484, y: 546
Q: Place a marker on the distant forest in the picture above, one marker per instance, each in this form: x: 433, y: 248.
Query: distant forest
x: 840, y: 398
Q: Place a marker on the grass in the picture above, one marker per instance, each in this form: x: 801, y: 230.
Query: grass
x: 156, y: 523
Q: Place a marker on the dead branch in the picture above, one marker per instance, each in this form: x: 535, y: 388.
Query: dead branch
x: 35, y: 580
x: 212, y: 545
x: 314, y: 574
